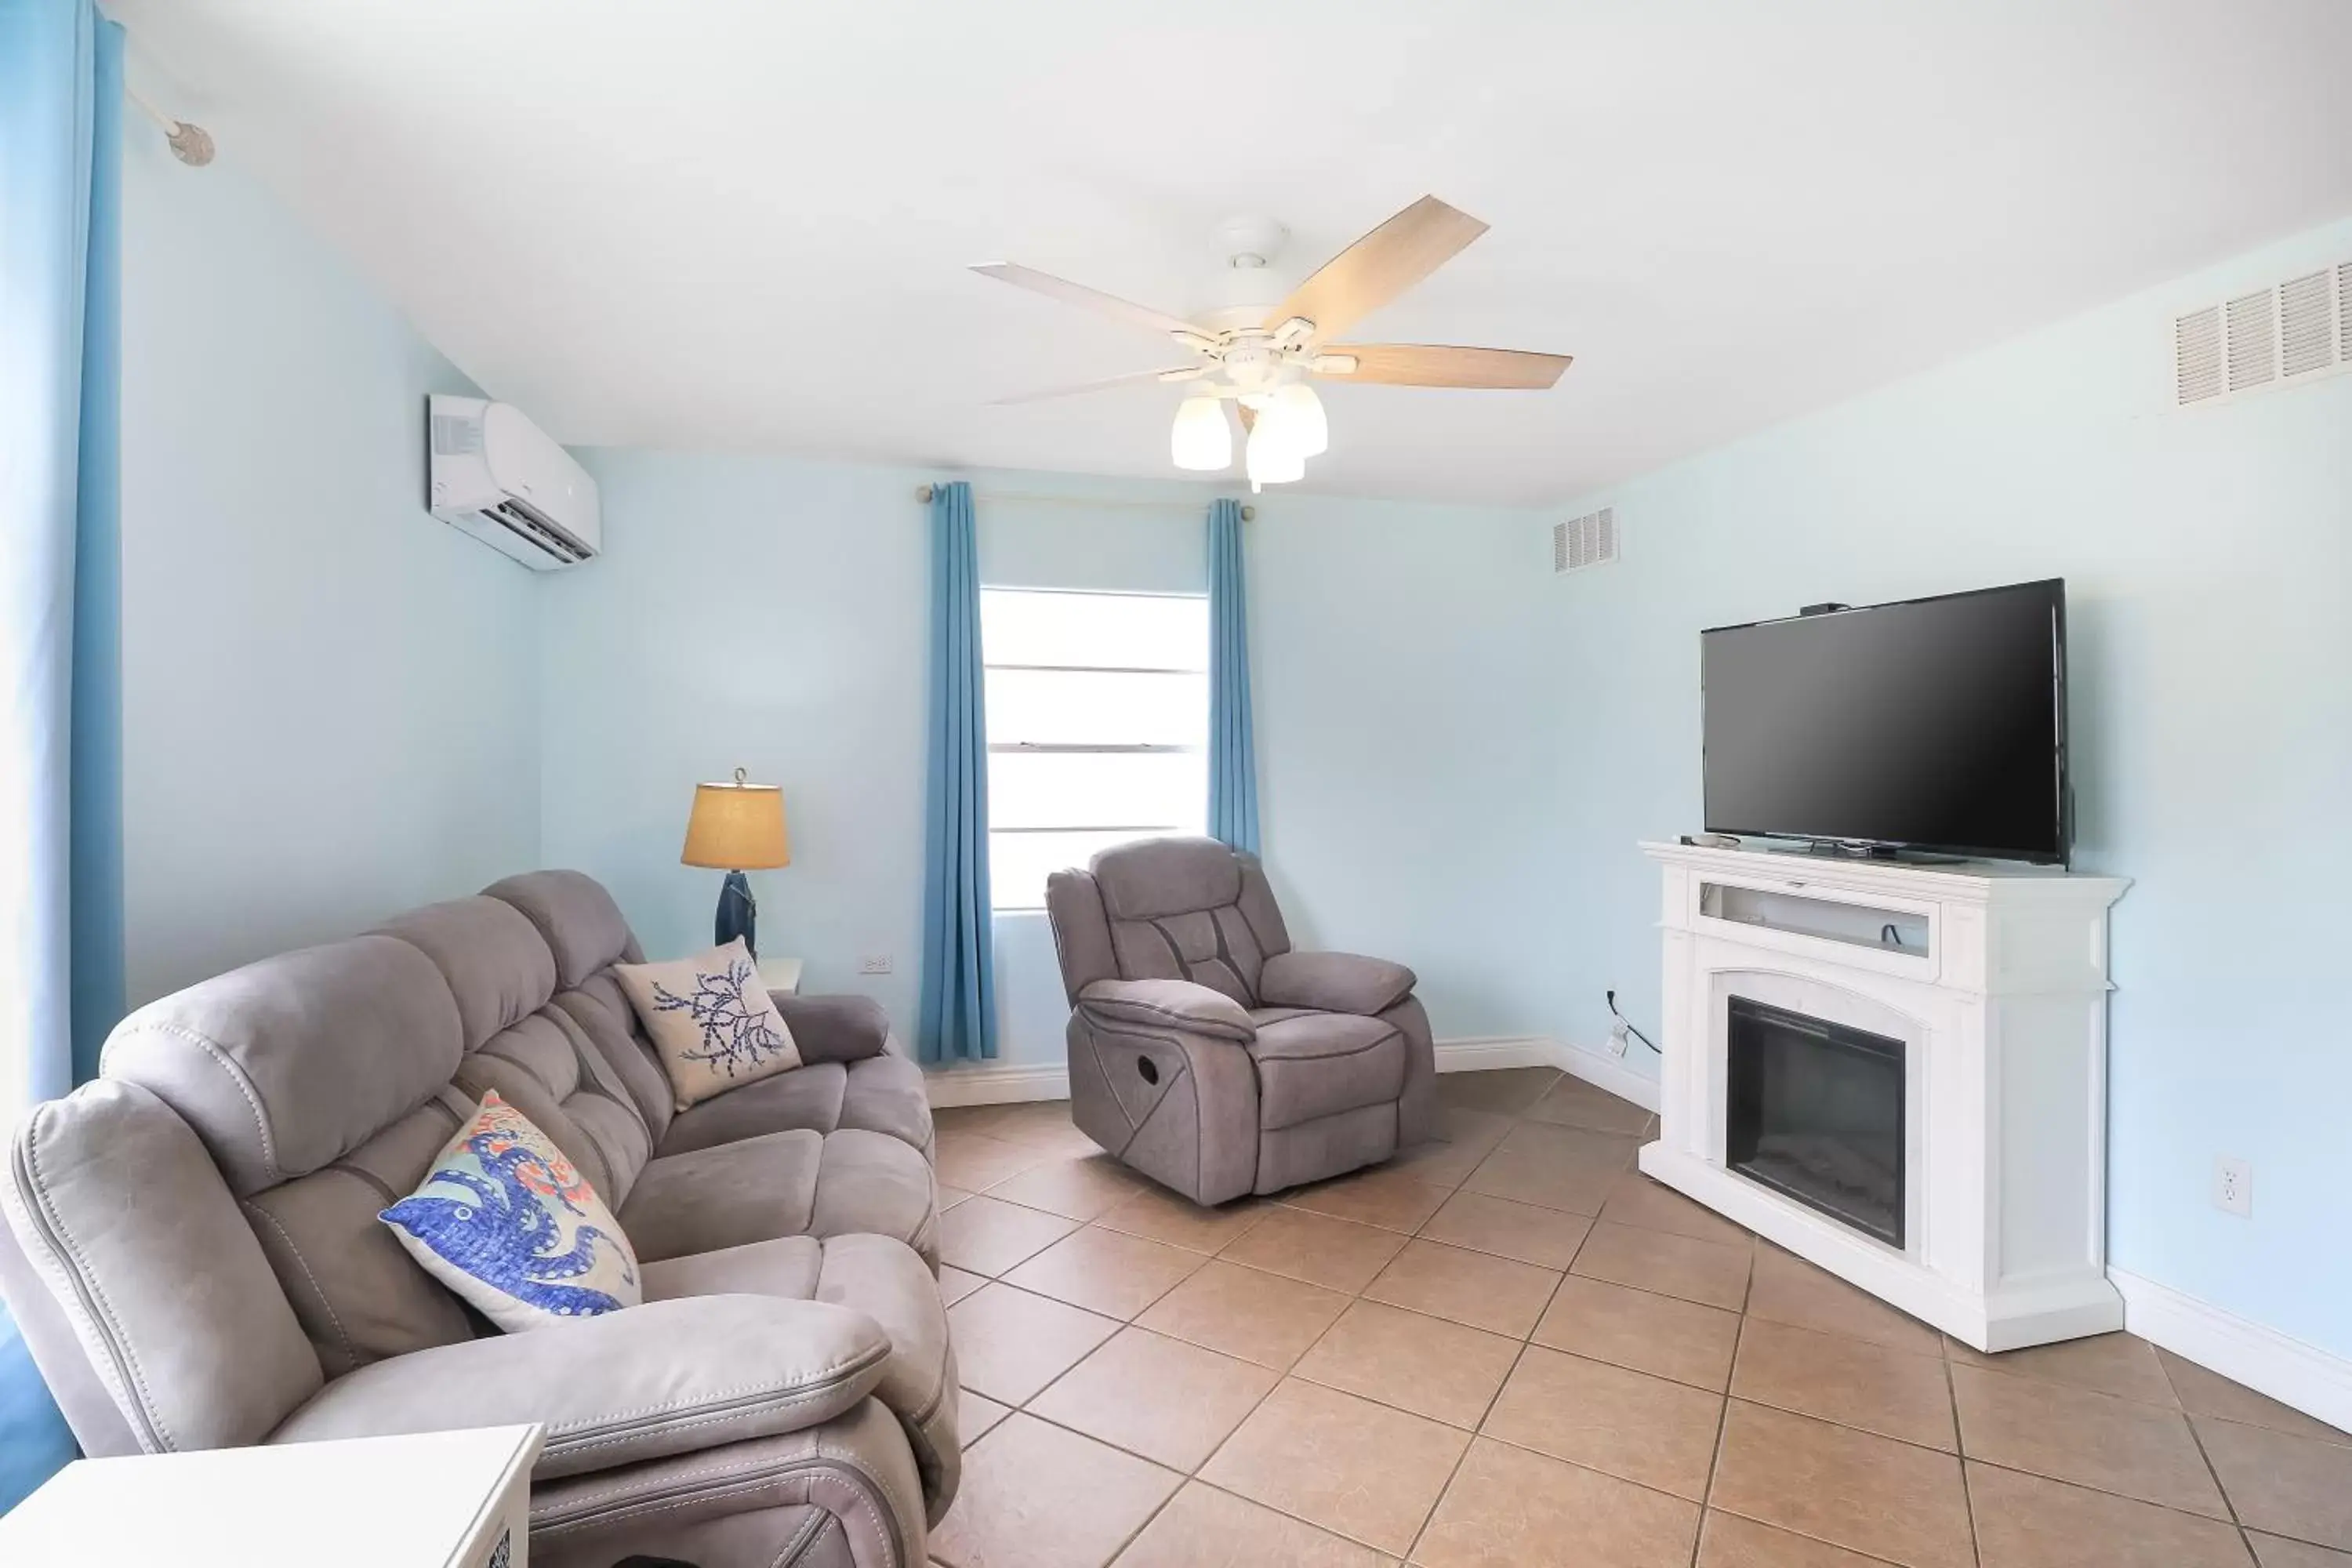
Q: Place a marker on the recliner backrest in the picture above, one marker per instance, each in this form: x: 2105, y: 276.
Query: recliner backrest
x: 586, y: 931
x: 1168, y: 908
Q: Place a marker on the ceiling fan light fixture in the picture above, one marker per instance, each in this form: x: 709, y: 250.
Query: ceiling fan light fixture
x: 1273, y: 458
x: 1300, y: 413
x: 1201, y: 440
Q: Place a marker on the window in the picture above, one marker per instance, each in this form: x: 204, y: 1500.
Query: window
x: 1098, y: 726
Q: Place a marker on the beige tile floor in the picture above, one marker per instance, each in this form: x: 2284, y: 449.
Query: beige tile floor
x: 1509, y: 1348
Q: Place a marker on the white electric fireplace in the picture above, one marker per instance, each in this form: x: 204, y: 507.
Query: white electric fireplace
x: 1898, y: 1071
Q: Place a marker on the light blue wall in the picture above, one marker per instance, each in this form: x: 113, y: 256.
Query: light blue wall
x: 759, y: 612
x: 2208, y: 557
x: 768, y: 612
x: 329, y: 712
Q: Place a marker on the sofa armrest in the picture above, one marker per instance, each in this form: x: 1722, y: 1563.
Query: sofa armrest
x: 834, y: 1028
x: 1168, y: 1005
x: 668, y: 1377
x: 1334, y: 983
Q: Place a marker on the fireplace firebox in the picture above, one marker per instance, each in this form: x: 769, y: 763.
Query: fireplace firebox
x: 1815, y: 1111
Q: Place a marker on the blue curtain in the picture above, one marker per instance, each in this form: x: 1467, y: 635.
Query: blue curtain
x: 1233, y: 753
x: 60, y: 871
x: 958, y: 1011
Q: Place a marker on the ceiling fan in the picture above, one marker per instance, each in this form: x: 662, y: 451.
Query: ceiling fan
x: 1261, y: 354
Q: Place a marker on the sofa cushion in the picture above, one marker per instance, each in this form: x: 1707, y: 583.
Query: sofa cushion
x: 1168, y: 1005
x: 780, y: 1184
x: 1317, y: 1064
x: 879, y: 1094
x: 358, y: 1294
x: 668, y: 1377
x: 1334, y: 982
x: 837, y: 1028
x: 712, y: 1023
x: 577, y: 919
x: 494, y: 960
x: 1151, y: 878
x: 875, y: 1276
x: 287, y: 1065
x: 504, y: 1220
x: 123, y: 1218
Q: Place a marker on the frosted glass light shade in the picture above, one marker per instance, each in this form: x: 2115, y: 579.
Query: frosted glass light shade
x: 1200, y: 440
x: 1271, y: 458
x: 1301, y: 413
x: 737, y: 826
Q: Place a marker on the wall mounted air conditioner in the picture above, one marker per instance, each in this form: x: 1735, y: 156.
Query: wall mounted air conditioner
x: 500, y: 478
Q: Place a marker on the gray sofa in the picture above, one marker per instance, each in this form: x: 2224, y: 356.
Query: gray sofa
x: 192, y: 1252
x: 1204, y: 1052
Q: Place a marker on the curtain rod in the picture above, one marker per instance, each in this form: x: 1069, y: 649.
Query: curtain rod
x: 923, y: 494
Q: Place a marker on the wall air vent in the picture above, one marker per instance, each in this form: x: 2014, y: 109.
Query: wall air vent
x: 1587, y: 541
x: 2306, y: 325
x: 2197, y: 355
x: 2344, y: 314
x: 2297, y: 332
x: 2253, y: 320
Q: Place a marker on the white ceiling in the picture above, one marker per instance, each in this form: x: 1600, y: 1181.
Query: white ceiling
x: 745, y: 225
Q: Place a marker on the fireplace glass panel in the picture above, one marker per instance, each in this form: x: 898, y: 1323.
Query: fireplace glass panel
x: 1816, y: 1112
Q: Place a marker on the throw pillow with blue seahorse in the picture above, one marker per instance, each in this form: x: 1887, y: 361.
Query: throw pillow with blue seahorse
x: 507, y: 1222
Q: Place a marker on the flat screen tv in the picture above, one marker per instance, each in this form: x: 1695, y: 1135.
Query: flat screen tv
x: 1934, y: 725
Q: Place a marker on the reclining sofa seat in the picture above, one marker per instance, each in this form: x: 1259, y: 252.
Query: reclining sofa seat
x: 192, y: 1250
x: 1208, y: 1054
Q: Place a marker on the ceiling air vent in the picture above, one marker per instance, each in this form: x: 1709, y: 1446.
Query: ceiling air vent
x: 1587, y: 541
x: 2297, y: 332
x: 2253, y: 320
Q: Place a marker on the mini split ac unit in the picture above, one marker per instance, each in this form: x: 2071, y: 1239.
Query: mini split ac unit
x: 500, y: 478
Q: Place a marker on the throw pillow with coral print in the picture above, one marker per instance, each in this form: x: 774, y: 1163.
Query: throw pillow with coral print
x: 712, y: 1023
x: 507, y: 1222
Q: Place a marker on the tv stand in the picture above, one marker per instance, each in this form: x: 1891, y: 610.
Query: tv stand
x: 1991, y: 981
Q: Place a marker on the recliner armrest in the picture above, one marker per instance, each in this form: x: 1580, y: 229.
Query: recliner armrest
x: 1168, y: 1005
x: 1334, y: 983
x: 844, y: 1028
x: 668, y: 1377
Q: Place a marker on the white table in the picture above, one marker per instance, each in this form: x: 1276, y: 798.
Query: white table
x: 780, y: 975
x: 436, y: 1499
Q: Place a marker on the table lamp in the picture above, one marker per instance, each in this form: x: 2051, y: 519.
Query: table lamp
x: 736, y: 827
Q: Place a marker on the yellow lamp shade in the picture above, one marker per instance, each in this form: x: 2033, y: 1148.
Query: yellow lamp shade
x: 737, y: 826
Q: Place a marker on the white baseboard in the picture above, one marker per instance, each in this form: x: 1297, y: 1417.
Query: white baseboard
x: 2316, y: 1382
x: 996, y: 1083
x: 1605, y: 1071
x: 1488, y: 1053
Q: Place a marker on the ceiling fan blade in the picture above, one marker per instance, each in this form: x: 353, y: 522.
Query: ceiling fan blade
x: 1078, y: 294
x: 1249, y: 416
x: 1433, y: 364
x: 1173, y: 373
x: 1378, y: 267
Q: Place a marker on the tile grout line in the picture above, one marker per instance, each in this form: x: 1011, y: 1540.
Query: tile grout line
x: 1412, y: 1548
x: 1960, y: 1450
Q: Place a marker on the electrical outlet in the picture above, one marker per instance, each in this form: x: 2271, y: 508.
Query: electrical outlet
x: 873, y: 963
x: 1617, y: 1037
x: 2233, y: 1186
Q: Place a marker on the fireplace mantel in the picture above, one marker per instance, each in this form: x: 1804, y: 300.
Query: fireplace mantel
x: 1995, y: 979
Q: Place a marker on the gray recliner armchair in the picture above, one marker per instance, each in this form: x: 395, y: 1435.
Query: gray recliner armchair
x: 1204, y: 1052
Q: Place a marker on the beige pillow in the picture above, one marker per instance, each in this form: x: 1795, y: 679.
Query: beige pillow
x: 713, y: 1023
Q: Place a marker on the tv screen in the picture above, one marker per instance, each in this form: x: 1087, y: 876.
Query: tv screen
x: 1936, y: 724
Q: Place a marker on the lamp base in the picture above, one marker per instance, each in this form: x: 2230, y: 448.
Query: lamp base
x: 738, y: 913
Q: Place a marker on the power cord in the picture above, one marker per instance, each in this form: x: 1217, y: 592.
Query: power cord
x: 1629, y: 1024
